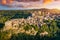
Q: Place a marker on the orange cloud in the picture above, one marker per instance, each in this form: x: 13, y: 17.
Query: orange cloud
x: 3, y: 1
x: 9, y: 1
x: 6, y: 1
x: 47, y: 1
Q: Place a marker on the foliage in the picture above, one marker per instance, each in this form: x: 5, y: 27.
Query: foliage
x: 4, y: 35
x: 7, y: 15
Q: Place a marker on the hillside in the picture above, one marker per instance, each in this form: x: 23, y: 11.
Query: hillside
x: 39, y: 24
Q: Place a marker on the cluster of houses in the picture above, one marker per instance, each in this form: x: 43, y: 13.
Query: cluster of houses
x: 36, y: 19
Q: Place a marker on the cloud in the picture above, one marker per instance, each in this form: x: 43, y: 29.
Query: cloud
x: 55, y: 4
x: 41, y: 3
x: 24, y: 4
x: 56, y: 0
x: 47, y: 1
x: 4, y: 2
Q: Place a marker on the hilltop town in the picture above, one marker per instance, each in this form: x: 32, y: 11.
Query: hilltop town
x: 30, y: 23
x: 37, y: 18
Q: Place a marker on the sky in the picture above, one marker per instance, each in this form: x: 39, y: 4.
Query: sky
x: 53, y: 4
x: 15, y: 5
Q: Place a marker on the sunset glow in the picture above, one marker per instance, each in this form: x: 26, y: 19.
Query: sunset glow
x: 3, y: 1
x: 50, y: 4
x: 47, y: 1
x: 54, y: 4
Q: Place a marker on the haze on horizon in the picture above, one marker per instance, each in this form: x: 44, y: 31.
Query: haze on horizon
x: 30, y: 4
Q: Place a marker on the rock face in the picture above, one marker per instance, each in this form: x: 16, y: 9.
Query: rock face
x: 9, y: 25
